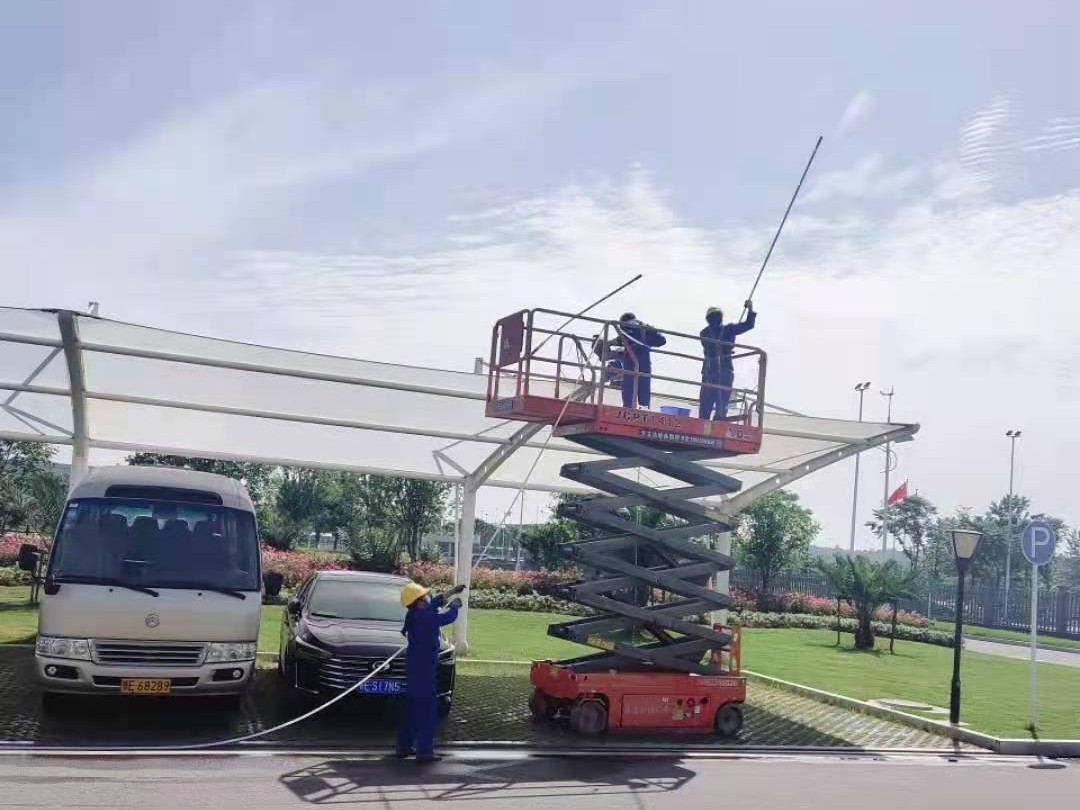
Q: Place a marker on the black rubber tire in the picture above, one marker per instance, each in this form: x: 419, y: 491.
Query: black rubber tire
x: 589, y: 717
x: 539, y: 705
x: 729, y: 720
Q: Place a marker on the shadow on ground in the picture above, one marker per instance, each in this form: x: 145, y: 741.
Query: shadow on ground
x: 488, y: 708
x: 386, y: 782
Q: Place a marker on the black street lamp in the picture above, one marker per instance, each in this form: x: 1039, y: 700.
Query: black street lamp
x: 965, y: 543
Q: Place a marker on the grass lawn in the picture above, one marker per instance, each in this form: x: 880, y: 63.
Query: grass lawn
x: 993, y: 633
x: 995, y: 689
x: 498, y: 635
x: 18, y: 621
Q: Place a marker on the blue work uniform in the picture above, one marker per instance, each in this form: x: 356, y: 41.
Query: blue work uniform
x: 717, y: 368
x: 639, y: 340
x: 421, y: 628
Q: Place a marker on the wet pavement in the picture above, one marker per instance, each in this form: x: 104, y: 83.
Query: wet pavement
x: 490, y: 706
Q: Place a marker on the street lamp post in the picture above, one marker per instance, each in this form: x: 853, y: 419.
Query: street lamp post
x: 861, y: 388
x: 1012, y: 435
x: 965, y: 543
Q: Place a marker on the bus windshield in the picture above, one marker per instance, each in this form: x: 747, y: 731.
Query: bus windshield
x: 154, y: 543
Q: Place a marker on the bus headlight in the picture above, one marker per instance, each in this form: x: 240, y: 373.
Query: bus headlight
x: 76, y: 648
x: 219, y: 652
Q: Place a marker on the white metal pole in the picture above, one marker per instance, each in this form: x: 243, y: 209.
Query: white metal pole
x: 855, y: 487
x: 1009, y: 539
x: 888, y: 469
x: 463, y: 563
x: 1034, y: 711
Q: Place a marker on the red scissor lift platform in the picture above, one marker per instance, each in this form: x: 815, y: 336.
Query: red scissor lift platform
x: 659, y: 667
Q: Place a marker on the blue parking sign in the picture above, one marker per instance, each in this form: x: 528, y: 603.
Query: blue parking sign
x: 1038, y: 543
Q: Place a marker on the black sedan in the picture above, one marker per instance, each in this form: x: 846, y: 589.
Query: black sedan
x: 340, y: 626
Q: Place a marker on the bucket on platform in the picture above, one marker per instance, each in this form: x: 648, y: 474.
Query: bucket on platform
x: 674, y: 410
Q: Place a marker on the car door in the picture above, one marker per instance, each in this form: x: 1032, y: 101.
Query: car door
x: 289, y: 625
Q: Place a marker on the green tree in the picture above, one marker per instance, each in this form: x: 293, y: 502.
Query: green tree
x: 258, y: 478
x: 774, y: 533
x: 1067, y: 568
x: 542, y: 542
x: 911, y: 520
x: 865, y: 585
x: 31, y: 491
x: 304, y: 503
x: 419, y: 507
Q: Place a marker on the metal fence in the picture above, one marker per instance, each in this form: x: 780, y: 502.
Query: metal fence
x: 1059, y: 608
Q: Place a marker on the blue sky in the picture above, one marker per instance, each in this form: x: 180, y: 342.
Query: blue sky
x: 368, y: 175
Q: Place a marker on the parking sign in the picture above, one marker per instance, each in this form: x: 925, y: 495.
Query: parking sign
x: 1039, y: 541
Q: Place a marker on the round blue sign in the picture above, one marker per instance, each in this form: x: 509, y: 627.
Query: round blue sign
x: 1038, y: 544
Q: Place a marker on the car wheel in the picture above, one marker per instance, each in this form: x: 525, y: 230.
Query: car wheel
x: 729, y: 720
x: 589, y: 717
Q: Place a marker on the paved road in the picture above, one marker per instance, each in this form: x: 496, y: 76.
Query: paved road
x: 1068, y: 659
x: 533, y: 784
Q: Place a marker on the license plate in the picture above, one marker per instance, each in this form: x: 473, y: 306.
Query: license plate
x: 382, y: 686
x: 145, y: 686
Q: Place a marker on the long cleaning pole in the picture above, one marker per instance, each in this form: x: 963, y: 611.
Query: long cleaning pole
x: 787, y: 211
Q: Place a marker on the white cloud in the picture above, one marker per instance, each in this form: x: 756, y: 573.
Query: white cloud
x: 860, y: 107
x: 868, y: 178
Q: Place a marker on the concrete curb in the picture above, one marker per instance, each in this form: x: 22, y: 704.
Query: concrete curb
x: 1000, y: 745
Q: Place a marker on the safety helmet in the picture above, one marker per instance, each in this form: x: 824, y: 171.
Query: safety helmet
x: 411, y: 592
x: 627, y: 316
x: 714, y: 311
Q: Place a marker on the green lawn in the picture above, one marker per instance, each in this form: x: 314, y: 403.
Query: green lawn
x: 18, y: 621
x: 992, y: 633
x: 995, y: 690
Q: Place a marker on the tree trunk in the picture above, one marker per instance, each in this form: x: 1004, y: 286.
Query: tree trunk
x: 864, y: 630
x: 838, y: 621
x: 892, y: 632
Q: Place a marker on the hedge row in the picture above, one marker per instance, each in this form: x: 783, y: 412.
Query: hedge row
x: 535, y: 603
x: 749, y: 618
x: 790, y: 602
x: 10, y: 575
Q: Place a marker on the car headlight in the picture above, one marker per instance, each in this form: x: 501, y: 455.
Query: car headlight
x: 77, y: 648
x: 222, y: 652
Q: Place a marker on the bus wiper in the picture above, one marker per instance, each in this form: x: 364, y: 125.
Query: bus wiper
x: 219, y: 589
x: 109, y: 581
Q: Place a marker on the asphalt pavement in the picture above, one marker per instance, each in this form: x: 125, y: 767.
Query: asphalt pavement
x: 1022, y: 652
x: 522, y: 782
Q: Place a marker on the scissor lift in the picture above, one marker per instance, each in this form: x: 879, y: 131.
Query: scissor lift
x: 658, y: 667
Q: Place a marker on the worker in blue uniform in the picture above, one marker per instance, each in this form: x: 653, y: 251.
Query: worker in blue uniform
x: 423, y: 619
x: 638, y: 340
x: 717, y: 368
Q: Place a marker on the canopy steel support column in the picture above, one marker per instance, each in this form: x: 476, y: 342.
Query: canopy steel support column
x: 463, y: 561
x: 80, y: 444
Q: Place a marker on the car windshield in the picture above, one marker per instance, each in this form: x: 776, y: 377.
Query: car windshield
x: 155, y: 543
x: 356, y: 599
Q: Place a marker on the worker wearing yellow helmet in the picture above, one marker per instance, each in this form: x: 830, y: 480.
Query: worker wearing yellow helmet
x: 424, y: 617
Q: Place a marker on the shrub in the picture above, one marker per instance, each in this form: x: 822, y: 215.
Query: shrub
x: 10, y: 575
x: 847, y: 625
x: 296, y: 566
x: 10, y: 544
x: 814, y: 605
x: 506, y: 600
x: 523, y: 583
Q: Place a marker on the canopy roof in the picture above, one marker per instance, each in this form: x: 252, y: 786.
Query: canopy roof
x: 71, y: 378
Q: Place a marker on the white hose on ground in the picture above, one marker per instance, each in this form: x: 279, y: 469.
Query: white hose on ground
x: 265, y: 731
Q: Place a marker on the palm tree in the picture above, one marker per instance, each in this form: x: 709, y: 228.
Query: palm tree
x: 864, y: 585
x: 837, y: 572
x: 898, y: 584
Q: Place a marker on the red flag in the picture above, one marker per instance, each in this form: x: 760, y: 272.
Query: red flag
x: 899, y: 495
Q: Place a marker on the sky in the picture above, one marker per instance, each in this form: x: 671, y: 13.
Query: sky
x: 359, y: 179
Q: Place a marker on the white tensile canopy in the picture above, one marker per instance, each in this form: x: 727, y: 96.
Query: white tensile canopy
x: 75, y: 379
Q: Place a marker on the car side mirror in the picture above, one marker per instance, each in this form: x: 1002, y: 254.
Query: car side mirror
x: 294, y: 607
x: 29, y: 555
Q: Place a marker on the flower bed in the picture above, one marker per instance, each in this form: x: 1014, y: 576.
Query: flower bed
x: 296, y: 566
x: 11, y: 542
x: 441, y: 575
x: 800, y: 603
x: 807, y: 621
